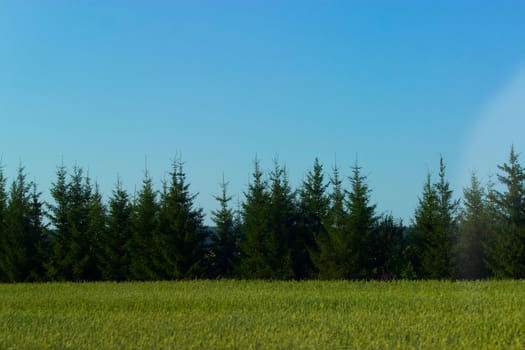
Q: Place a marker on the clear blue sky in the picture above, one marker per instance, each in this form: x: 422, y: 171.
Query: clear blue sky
x: 105, y: 84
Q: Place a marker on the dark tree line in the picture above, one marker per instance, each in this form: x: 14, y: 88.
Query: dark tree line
x: 327, y: 229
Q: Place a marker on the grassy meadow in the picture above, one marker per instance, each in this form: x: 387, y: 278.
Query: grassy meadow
x: 263, y: 315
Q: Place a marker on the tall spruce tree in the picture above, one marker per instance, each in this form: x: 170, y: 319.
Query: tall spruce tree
x: 22, y: 240
x: 426, y: 222
x: 313, y: 211
x: 224, y: 247
x: 473, y: 233
x: 60, y: 235
x: 96, y: 232
x: 3, y: 210
x: 181, y: 229
x: 39, y: 234
x: 143, y: 247
x: 282, y: 242
x: 116, y: 260
x: 334, y: 259
x: 80, y: 259
x: 12, y: 251
x: 507, y: 253
x: 361, y: 227
x: 448, y: 224
x: 255, y: 244
x: 436, y: 228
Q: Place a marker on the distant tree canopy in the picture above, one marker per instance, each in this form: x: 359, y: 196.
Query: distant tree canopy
x: 327, y: 228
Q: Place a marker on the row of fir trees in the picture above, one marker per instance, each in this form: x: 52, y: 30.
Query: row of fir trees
x: 326, y: 229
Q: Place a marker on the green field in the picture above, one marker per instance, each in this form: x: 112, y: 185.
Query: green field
x: 265, y: 315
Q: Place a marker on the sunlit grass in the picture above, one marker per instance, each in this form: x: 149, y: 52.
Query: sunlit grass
x: 244, y: 315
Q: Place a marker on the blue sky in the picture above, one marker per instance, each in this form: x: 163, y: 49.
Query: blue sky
x: 105, y: 85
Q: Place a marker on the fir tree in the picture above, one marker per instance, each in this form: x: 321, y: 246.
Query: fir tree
x: 512, y: 201
x: 448, y: 224
x: 282, y: 231
x: 60, y: 234
x: 436, y: 226
x: 22, y: 243
x: 39, y: 235
x: 507, y: 253
x: 13, y: 252
x: 80, y: 256
x: 255, y: 228
x: 77, y: 221
x: 361, y: 226
x: 334, y: 259
x: 181, y: 228
x: 426, y: 222
x: 143, y: 248
x: 3, y: 210
x: 96, y: 232
x: 224, y: 247
x: 473, y: 233
x: 116, y: 258
x: 313, y: 211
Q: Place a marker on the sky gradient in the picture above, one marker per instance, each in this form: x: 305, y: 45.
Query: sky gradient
x: 107, y: 85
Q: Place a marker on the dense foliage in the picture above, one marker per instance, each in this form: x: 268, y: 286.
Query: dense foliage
x: 323, y: 229
x: 264, y: 315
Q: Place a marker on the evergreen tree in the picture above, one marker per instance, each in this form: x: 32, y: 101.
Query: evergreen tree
x: 60, y: 235
x: 13, y: 253
x: 512, y: 201
x: 313, y: 211
x: 436, y: 227
x: 181, y: 229
x: 448, y: 223
x: 116, y: 258
x: 473, y: 233
x: 77, y: 224
x: 224, y: 247
x: 426, y: 222
x: 95, y: 234
x: 3, y: 210
x: 80, y: 257
x: 361, y: 227
x: 22, y: 240
x: 143, y: 248
x: 334, y: 259
x: 282, y: 231
x: 255, y: 228
x: 39, y: 234
x: 277, y: 234
x: 507, y: 253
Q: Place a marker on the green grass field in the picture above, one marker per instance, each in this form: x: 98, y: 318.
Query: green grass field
x: 263, y: 315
